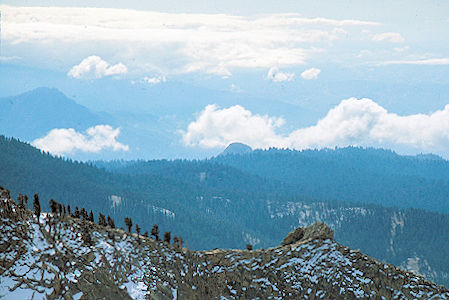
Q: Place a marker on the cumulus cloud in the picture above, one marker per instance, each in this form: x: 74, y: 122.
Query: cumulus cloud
x: 154, y: 80
x: 177, y: 42
x: 95, y: 67
x: 352, y: 122
x: 392, y: 37
x: 216, y: 127
x: 64, y: 141
x: 275, y: 75
x: 310, y: 74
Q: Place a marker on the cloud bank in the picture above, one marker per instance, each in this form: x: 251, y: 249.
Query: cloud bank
x: 175, y: 43
x: 430, y: 61
x: 311, y: 74
x: 95, y: 67
x: 352, y: 122
x: 64, y: 141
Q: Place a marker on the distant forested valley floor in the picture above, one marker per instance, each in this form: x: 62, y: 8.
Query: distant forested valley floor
x: 391, y: 207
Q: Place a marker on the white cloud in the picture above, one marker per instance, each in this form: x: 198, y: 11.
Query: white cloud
x: 311, y: 73
x: 353, y: 122
x: 64, y: 141
x: 154, y: 80
x: 95, y: 67
x: 430, y: 61
x: 216, y: 127
x: 401, y: 49
x: 276, y: 75
x: 174, y: 42
x: 392, y: 37
x: 9, y: 58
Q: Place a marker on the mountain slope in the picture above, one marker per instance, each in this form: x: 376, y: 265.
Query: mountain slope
x: 353, y: 174
x: 31, y: 115
x: 65, y: 257
x: 211, y: 205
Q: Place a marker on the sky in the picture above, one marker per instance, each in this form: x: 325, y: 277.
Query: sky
x: 368, y: 73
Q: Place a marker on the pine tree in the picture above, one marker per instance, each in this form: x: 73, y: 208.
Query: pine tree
x: 91, y: 217
x: 128, y: 223
x: 111, y: 222
x: 37, y: 206
x: 76, y: 214
x: 69, y: 212
x: 155, y: 232
x: 20, y: 201
x: 101, y: 220
x: 249, y: 247
x: 167, y: 237
x: 145, y: 234
x: 137, y: 229
x: 175, y: 242
x: 60, y: 209
x: 26, y: 201
x: 53, y: 206
x: 83, y: 214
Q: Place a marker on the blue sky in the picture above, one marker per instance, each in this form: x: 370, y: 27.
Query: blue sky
x: 369, y: 73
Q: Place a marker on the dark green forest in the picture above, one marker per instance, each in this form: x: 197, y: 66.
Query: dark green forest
x: 391, y: 207
x: 354, y: 174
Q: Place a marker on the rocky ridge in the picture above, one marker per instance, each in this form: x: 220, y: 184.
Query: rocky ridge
x: 68, y: 258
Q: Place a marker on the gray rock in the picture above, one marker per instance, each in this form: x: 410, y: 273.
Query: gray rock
x: 315, y: 231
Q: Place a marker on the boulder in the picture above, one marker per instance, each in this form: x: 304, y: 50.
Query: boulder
x: 317, y: 230
x: 293, y: 237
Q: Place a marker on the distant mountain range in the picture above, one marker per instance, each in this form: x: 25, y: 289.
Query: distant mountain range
x: 213, y: 204
x: 33, y: 114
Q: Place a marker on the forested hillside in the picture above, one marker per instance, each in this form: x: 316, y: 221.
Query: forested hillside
x: 211, y: 204
x: 354, y: 174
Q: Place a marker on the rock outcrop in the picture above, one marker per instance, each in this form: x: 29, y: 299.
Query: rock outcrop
x: 52, y: 260
x: 315, y: 231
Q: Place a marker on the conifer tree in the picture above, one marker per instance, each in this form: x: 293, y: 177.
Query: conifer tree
x: 167, y: 237
x: 20, y: 201
x: 137, y: 229
x: 37, y: 206
x: 155, y: 232
x: 145, y: 234
x: 60, y: 209
x: 128, y: 223
x: 53, y: 206
x: 76, y: 214
x: 26, y: 201
x: 69, y: 212
x: 111, y: 222
x: 91, y: 216
x: 83, y: 213
x: 101, y: 220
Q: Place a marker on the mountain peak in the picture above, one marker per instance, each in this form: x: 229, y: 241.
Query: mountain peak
x: 237, y: 148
